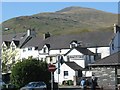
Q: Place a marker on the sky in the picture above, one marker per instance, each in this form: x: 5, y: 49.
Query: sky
x: 15, y: 9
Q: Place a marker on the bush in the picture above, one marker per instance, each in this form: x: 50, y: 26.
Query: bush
x: 29, y: 70
x: 70, y: 82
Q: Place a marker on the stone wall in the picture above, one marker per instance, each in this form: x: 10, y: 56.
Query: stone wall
x: 106, y: 76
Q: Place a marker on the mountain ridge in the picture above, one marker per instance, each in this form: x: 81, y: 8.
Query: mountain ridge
x: 70, y: 20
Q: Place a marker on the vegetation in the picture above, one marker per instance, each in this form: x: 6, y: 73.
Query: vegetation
x: 65, y: 21
x: 29, y: 70
x: 8, y: 57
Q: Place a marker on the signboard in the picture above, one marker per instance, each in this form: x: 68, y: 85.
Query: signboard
x: 76, y: 57
x: 51, y: 68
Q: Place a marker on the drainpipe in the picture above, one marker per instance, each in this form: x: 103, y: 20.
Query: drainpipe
x: 96, y: 53
x: 116, y: 86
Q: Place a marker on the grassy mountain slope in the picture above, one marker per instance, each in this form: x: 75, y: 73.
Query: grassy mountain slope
x: 70, y: 20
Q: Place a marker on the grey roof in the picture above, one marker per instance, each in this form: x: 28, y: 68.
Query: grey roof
x: 10, y: 37
x: 83, y: 50
x: 113, y: 59
x: 35, y: 42
x: 74, y: 66
x: 88, y: 39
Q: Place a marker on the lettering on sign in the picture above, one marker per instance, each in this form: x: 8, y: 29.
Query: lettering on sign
x: 76, y: 57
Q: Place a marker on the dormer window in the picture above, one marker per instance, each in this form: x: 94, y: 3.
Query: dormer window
x: 4, y: 47
x: 73, y: 44
x: 46, y: 48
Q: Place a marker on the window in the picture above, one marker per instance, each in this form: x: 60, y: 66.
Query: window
x: 65, y: 73
x: 13, y: 59
x: 73, y: 45
x: 4, y: 48
x: 13, y: 48
x: 44, y: 50
x: 29, y: 48
x: 24, y: 50
x: 118, y: 80
x: 112, y: 46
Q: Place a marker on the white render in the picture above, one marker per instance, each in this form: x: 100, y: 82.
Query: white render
x: 58, y: 52
x: 26, y: 53
x: 53, y: 54
x: 61, y: 78
x: 87, y: 73
x: 104, y: 51
x: 79, y: 58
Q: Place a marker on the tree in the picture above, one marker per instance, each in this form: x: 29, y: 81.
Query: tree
x: 29, y: 70
x: 8, y: 59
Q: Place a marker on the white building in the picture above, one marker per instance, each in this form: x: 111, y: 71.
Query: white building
x: 68, y: 71
x: 102, y: 51
x: 80, y: 55
x: 115, y: 42
x: 10, y: 52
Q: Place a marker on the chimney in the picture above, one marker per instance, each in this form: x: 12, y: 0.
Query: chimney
x: 31, y: 32
x: 46, y: 35
x: 28, y: 32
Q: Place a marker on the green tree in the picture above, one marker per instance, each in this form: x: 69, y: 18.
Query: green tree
x: 8, y: 59
x: 29, y: 70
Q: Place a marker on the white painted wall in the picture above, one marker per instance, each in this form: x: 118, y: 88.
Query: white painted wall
x: 58, y: 51
x: 63, y: 68
x: 81, y: 59
x: 87, y: 73
x: 25, y: 53
x: 105, y: 51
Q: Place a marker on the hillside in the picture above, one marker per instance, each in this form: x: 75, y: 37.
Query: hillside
x: 70, y: 20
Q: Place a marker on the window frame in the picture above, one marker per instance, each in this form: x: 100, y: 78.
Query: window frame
x: 65, y: 73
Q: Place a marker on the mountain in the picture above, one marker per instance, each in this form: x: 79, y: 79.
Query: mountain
x: 70, y: 20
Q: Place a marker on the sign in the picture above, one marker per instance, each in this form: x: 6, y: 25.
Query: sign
x: 51, y: 68
x: 76, y: 57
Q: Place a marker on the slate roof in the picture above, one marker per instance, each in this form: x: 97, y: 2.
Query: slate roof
x: 10, y: 37
x: 113, y: 59
x: 62, y: 41
x: 74, y: 66
x: 83, y: 50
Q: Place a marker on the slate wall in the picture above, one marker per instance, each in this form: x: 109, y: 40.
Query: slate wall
x: 106, y: 76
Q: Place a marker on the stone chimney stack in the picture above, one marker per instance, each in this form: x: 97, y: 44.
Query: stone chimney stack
x: 31, y: 32
x: 46, y: 35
